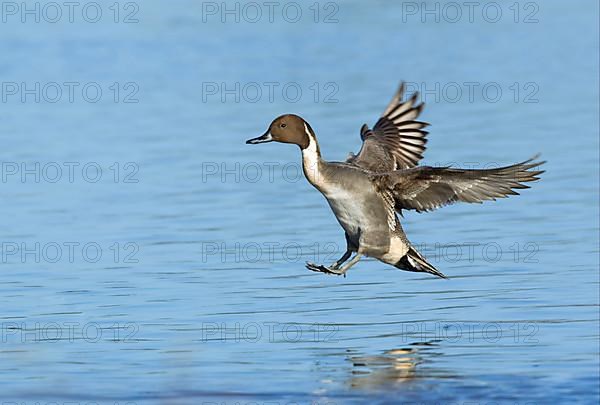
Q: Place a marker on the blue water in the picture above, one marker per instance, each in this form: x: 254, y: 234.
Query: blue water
x: 150, y: 256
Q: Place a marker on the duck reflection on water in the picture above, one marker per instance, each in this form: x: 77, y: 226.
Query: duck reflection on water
x: 393, y: 367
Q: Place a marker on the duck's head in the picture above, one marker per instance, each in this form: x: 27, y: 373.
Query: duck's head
x: 288, y: 128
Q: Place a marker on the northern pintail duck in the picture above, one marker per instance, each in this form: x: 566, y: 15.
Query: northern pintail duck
x: 368, y: 190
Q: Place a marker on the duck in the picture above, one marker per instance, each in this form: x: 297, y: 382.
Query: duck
x: 369, y: 191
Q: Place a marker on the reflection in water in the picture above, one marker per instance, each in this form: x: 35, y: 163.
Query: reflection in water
x: 392, y: 368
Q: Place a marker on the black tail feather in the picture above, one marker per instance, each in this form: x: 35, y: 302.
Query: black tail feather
x: 413, y: 261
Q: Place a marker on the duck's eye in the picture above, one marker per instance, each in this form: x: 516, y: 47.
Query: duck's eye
x: 283, y: 125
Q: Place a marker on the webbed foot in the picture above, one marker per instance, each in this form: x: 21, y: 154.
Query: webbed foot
x: 324, y: 269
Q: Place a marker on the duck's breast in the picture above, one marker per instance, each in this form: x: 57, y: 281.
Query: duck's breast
x: 358, y: 207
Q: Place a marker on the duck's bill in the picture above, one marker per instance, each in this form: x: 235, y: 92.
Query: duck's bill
x: 261, y: 139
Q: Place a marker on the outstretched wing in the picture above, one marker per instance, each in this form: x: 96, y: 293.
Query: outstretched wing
x: 427, y: 188
x: 397, y: 141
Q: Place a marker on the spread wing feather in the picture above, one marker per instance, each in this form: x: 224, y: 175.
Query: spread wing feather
x: 397, y: 141
x: 427, y: 188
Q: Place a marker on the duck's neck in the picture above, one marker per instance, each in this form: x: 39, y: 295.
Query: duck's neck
x: 311, y: 159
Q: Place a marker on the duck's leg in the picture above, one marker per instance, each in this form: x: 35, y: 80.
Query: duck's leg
x: 336, y: 265
x: 336, y: 271
x: 346, y: 267
x: 333, y: 269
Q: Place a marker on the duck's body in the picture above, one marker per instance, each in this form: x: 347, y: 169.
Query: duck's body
x: 367, y: 190
x: 362, y: 210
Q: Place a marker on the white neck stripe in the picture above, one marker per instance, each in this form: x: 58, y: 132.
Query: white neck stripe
x: 307, y: 132
x: 310, y: 158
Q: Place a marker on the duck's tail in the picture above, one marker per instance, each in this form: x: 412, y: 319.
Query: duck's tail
x: 413, y: 261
